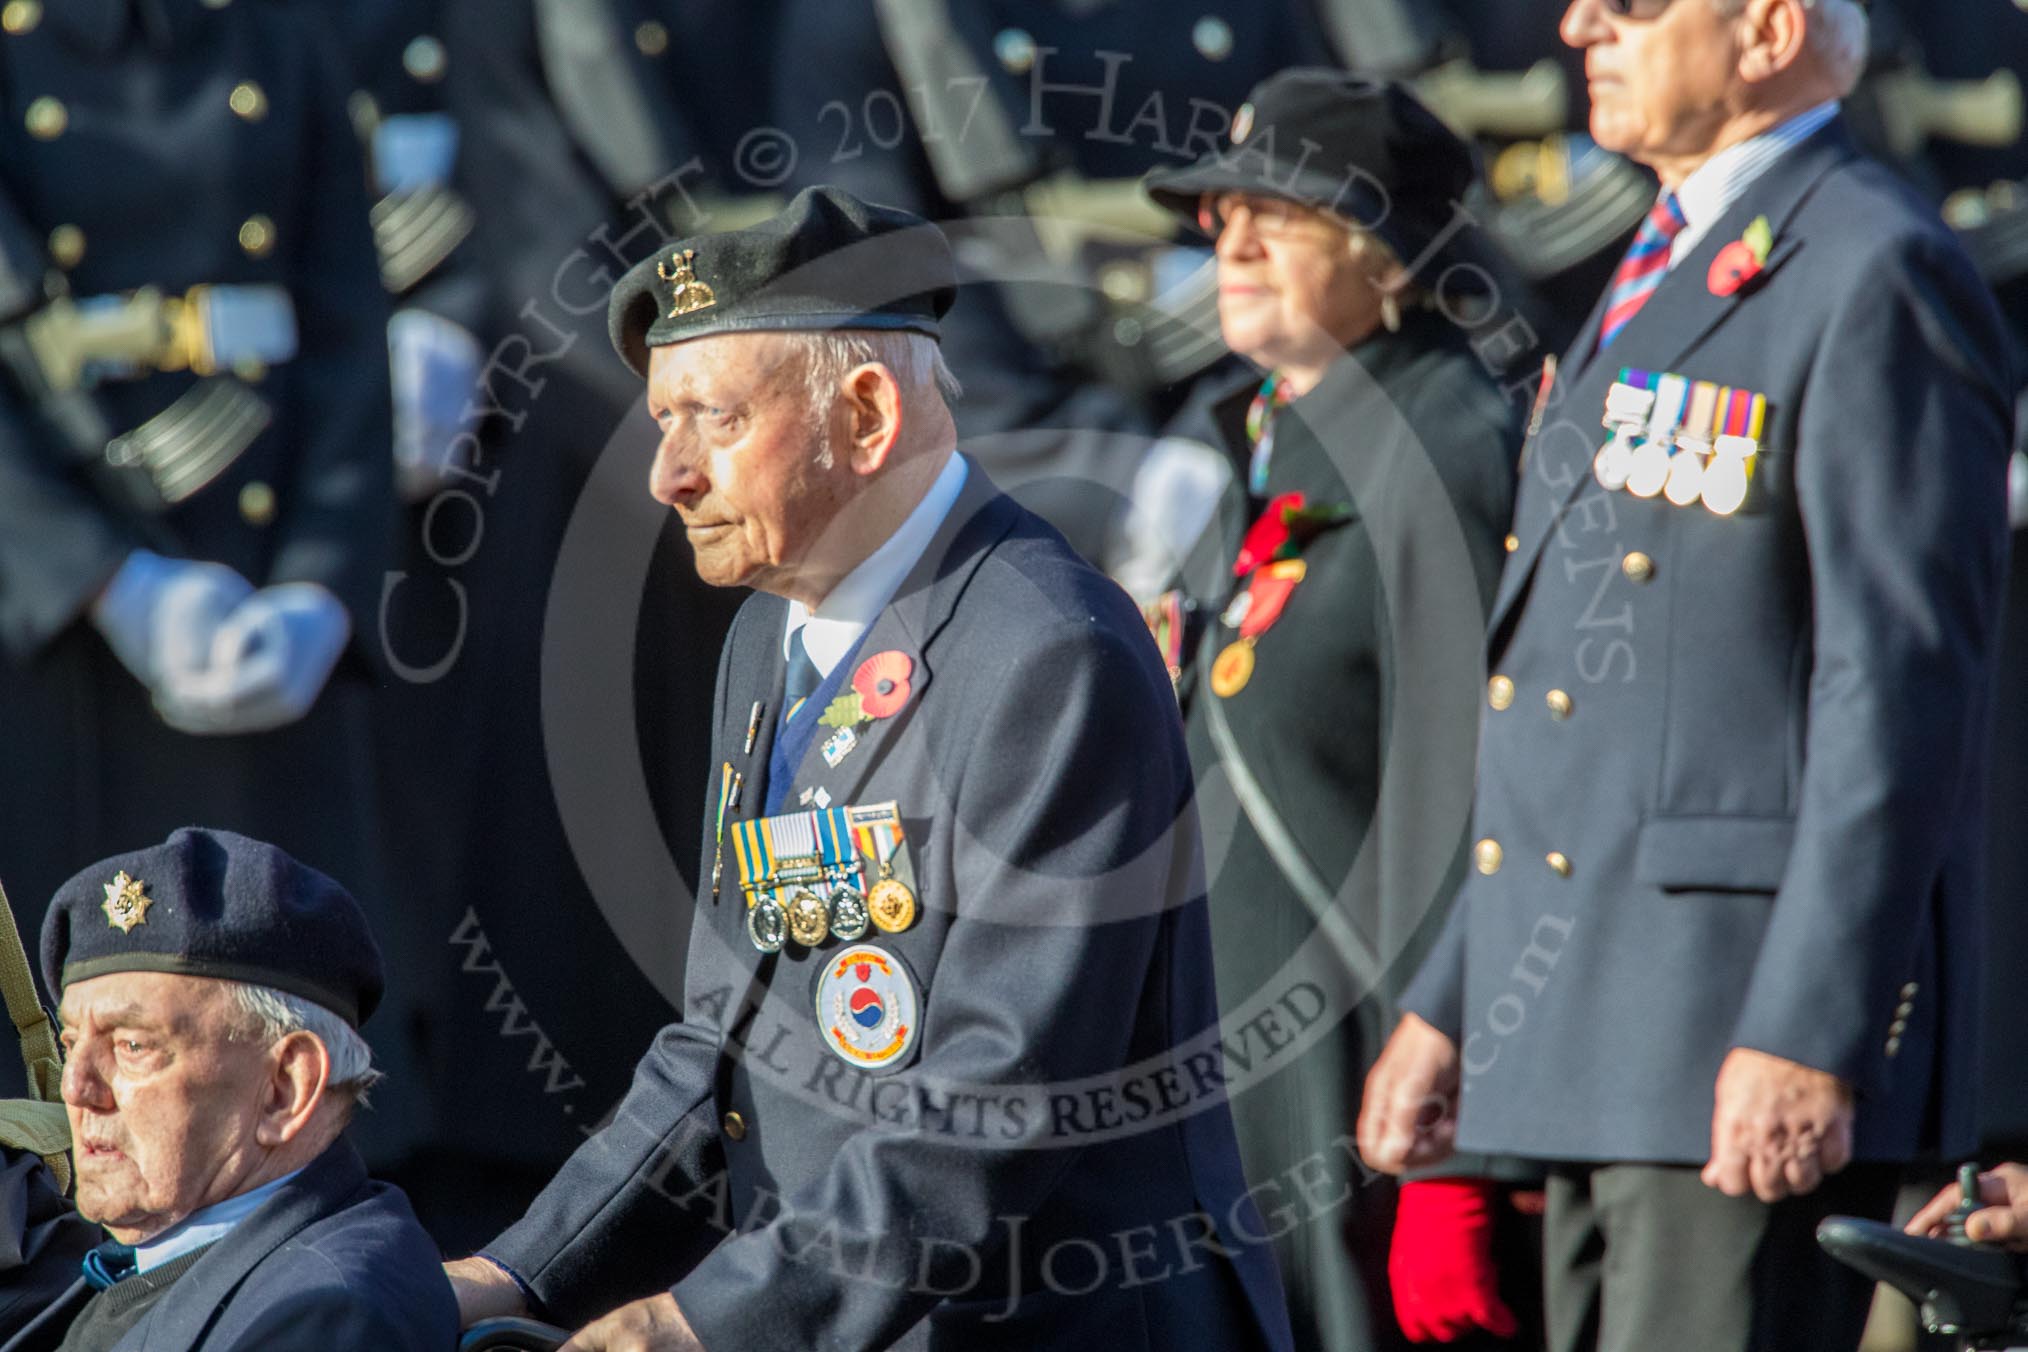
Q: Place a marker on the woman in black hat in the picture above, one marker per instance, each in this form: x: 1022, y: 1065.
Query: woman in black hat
x: 1327, y: 646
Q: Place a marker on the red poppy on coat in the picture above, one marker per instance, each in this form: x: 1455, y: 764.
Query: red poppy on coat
x: 882, y: 683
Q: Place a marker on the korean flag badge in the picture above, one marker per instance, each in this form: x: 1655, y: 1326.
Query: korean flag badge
x: 867, y: 1008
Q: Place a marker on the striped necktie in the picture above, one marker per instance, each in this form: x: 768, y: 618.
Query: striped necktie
x: 1642, y: 270
x: 803, y: 677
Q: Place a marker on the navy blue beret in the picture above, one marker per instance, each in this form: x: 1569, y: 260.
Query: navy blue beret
x: 825, y: 261
x: 216, y: 904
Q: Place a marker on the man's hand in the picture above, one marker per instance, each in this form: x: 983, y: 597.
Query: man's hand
x: 651, y: 1325
x: 1408, y: 1118
x: 483, y: 1291
x: 2004, y: 1221
x: 1778, y: 1129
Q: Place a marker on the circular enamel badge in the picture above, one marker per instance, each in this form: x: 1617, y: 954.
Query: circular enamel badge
x: 866, y: 1007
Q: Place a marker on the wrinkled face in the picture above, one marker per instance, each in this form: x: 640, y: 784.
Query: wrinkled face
x: 1658, y: 75
x: 1290, y: 289
x: 162, y: 1104
x: 740, y: 455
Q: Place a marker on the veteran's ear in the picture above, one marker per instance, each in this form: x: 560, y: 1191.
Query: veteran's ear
x: 873, y: 405
x: 299, y: 1074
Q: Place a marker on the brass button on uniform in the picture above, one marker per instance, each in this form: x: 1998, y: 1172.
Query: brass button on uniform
x: 1500, y: 692
x: 1486, y: 854
x: 256, y: 503
x: 1559, y: 863
x: 21, y: 16
x: 652, y: 38
x: 249, y: 100
x: 1559, y: 705
x: 66, y: 246
x: 1015, y: 49
x: 1212, y: 36
x: 1896, y: 1029
x: 424, y: 59
x: 257, y: 236
x: 735, y: 1127
x: 1513, y: 543
x: 1637, y: 566
x: 1908, y: 991
x: 1893, y: 1047
x: 1903, y: 1010
x: 46, y: 118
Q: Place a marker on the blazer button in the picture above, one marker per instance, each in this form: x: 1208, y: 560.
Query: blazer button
x: 257, y: 236
x: 735, y: 1127
x: 1908, y: 991
x: 1896, y: 1029
x: 1016, y: 50
x: 248, y: 100
x: 1893, y: 1047
x: 651, y: 38
x: 1903, y: 1010
x: 1559, y: 705
x: 1637, y: 566
x: 46, y: 118
x: 21, y: 16
x: 256, y: 503
x: 66, y: 246
x: 1500, y: 692
x: 1513, y: 543
x: 1487, y: 855
x: 425, y: 59
x: 1559, y: 863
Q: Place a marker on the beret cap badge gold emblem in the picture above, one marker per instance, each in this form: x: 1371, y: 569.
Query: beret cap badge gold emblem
x: 687, y: 295
x: 127, y: 902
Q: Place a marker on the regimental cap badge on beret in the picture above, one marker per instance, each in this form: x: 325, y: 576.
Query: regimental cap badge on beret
x: 127, y: 902
x: 687, y: 295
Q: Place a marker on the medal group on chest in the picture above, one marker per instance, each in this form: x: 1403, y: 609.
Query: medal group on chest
x: 1688, y: 441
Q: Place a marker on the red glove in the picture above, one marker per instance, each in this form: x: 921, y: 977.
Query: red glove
x: 1441, y: 1264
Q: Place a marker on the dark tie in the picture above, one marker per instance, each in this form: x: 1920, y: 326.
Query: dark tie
x: 1642, y: 270
x: 108, y: 1263
x: 803, y: 678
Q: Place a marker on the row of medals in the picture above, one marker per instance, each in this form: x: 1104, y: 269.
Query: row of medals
x: 1678, y: 466
x: 809, y: 920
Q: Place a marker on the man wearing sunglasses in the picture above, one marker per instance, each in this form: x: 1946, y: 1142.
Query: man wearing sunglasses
x: 1717, y: 960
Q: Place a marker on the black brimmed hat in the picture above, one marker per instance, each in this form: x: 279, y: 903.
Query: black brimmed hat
x: 826, y: 261
x: 1364, y: 150
x: 215, y: 904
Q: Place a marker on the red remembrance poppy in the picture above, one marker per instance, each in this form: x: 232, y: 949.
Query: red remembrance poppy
x: 1735, y: 266
x: 1267, y: 534
x: 882, y: 683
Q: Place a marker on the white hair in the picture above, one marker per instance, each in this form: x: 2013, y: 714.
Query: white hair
x: 266, y: 1015
x: 916, y: 359
x: 1838, y: 34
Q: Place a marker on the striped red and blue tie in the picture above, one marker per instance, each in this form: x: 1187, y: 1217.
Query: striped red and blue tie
x: 1642, y: 270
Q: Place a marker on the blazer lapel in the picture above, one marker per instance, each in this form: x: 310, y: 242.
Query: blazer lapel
x: 921, y: 607
x: 185, y: 1317
x: 1677, y: 319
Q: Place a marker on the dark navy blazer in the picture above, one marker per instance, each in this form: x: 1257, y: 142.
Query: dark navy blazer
x: 1756, y: 744
x: 983, y: 1191
x: 331, y: 1260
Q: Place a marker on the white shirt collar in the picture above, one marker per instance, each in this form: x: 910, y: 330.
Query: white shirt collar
x: 1709, y: 192
x: 831, y: 630
x: 206, y: 1225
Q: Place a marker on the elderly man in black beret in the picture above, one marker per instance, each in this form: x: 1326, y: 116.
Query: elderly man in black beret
x: 946, y: 1071
x: 211, y: 991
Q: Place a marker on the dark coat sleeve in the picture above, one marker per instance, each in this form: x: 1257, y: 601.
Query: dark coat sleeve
x: 1900, y: 475
x: 336, y: 527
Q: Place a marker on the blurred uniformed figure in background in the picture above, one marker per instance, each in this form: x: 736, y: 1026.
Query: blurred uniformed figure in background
x: 588, y: 132
x: 195, y: 480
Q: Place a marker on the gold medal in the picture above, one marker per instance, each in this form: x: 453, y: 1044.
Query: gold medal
x: 808, y: 920
x: 1233, y: 669
x: 890, y: 903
